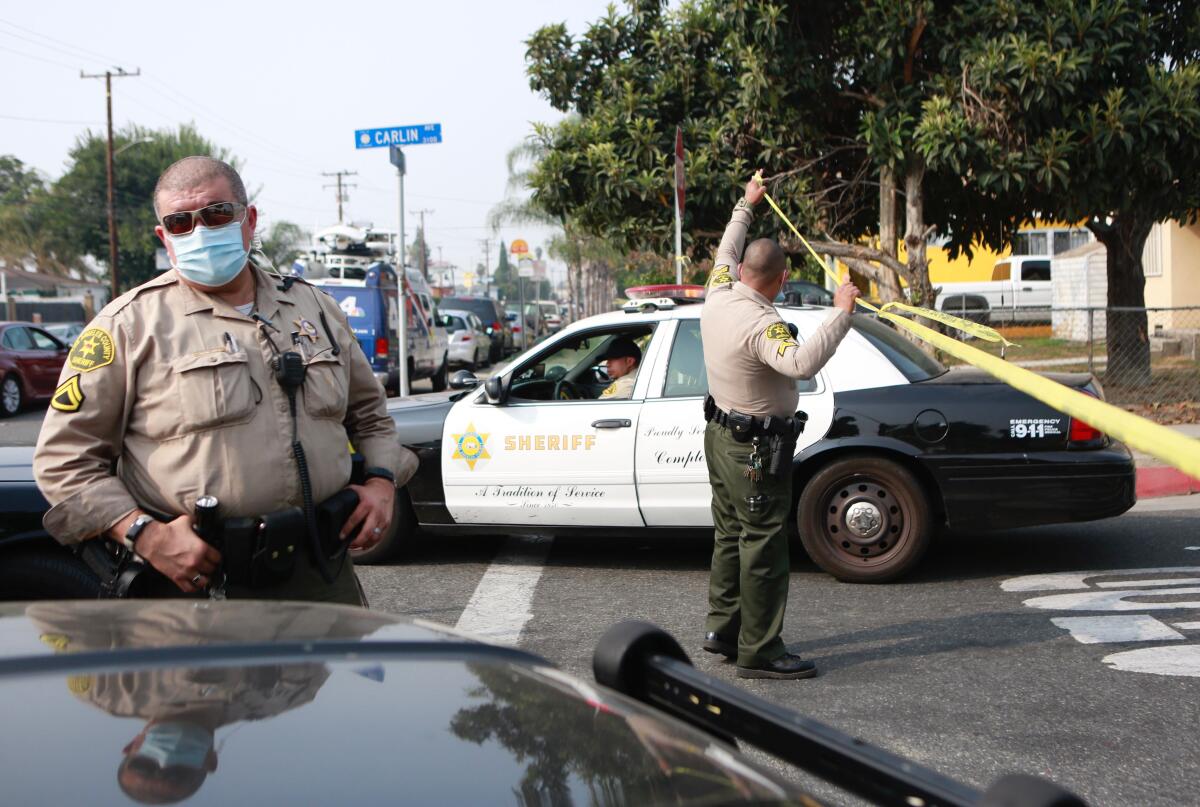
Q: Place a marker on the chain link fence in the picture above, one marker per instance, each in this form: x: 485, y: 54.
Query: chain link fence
x: 1162, y: 370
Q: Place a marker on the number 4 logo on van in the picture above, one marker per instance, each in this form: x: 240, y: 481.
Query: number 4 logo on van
x: 349, y: 306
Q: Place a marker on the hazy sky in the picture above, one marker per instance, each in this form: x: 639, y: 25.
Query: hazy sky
x: 284, y: 86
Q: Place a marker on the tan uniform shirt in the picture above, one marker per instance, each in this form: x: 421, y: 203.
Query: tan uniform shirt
x: 175, y: 387
x: 621, y: 389
x: 751, y: 357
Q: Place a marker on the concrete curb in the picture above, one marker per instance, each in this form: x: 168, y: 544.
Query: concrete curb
x: 1155, y: 482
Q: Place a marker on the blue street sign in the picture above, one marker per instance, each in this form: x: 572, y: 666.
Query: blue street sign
x: 398, y: 136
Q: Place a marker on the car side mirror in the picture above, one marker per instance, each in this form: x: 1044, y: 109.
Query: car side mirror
x: 464, y: 379
x: 496, y: 389
x: 792, y: 298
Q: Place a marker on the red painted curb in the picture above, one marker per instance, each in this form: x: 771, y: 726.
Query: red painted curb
x: 1156, y: 482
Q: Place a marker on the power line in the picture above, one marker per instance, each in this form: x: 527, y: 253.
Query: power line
x: 99, y: 56
x: 52, y: 120
x: 38, y: 58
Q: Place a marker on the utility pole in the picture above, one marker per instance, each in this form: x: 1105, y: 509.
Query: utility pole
x: 341, y: 197
x: 486, y: 243
x: 112, y: 210
x: 424, y: 243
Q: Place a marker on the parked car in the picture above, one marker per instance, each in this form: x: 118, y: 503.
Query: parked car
x: 803, y: 292
x: 470, y: 344
x: 302, y: 703
x: 65, y: 332
x: 30, y: 363
x: 1019, y: 291
x: 491, y: 314
x: 520, y: 331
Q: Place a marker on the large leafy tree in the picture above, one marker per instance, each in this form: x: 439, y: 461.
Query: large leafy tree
x: 283, y: 242
x: 1092, y: 112
x: 823, y: 96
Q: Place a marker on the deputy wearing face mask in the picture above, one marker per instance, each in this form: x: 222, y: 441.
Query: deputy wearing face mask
x: 221, y: 379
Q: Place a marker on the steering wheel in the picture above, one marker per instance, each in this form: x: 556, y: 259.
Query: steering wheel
x: 564, y: 390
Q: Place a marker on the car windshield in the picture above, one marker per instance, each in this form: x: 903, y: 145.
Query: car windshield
x: 912, y: 362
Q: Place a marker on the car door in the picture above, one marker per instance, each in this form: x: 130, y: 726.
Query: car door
x: 671, y: 471
x: 46, y: 359
x: 552, y: 454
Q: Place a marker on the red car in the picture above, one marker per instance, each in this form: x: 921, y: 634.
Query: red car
x: 30, y: 361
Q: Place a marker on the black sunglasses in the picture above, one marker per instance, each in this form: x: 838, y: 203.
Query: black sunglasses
x: 214, y: 215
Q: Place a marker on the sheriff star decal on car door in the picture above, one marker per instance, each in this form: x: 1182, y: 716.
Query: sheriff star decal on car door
x: 470, y: 446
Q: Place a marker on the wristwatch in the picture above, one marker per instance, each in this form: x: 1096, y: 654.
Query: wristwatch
x: 135, y: 529
x: 380, y: 473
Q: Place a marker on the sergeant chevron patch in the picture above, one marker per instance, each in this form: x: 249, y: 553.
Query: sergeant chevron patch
x: 69, y: 395
x: 778, y: 332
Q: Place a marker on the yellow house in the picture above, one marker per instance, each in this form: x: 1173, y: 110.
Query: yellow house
x: 1171, y: 261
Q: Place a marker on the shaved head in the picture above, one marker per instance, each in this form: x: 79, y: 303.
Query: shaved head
x: 764, y: 261
x: 189, y: 172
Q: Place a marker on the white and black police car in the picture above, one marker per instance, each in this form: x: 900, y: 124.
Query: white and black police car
x: 896, y: 446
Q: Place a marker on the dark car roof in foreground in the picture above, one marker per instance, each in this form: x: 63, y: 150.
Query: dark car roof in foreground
x: 326, y: 704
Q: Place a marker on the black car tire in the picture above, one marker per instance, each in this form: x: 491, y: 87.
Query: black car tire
x: 400, y: 540
x: 438, y: 379
x: 46, y: 574
x: 890, y: 494
x: 12, y: 396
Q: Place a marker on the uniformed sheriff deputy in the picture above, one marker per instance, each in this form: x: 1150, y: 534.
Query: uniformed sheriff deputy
x: 183, y: 707
x: 221, y: 379
x: 621, y: 361
x: 752, y: 361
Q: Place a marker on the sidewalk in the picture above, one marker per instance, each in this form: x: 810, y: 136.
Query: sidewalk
x: 1155, y: 479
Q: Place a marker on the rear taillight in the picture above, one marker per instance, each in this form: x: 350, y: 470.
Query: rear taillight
x: 516, y: 329
x: 496, y: 325
x: 1084, y: 433
x: 466, y: 337
x: 381, y: 346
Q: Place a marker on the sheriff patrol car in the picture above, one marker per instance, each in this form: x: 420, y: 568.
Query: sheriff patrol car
x: 895, y: 445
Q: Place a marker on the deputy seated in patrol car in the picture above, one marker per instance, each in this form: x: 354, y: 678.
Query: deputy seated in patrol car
x: 621, y: 360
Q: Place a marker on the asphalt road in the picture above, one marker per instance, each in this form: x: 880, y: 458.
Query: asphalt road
x: 970, y: 666
x: 947, y: 667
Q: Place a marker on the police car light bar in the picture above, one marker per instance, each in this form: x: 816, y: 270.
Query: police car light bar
x: 662, y: 296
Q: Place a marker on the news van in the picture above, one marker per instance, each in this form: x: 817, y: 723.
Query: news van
x: 349, y: 264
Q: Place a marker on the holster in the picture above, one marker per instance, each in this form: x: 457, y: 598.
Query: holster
x: 121, y: 572
x: 332, y: 514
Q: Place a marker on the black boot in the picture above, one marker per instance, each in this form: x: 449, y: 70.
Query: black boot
x: 786, y: 666
x: 715, y: 643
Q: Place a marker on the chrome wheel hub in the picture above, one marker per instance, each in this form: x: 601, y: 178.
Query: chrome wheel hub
x: 863, y: 519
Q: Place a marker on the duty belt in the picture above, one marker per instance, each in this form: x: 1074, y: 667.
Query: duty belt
x: 745, y: 427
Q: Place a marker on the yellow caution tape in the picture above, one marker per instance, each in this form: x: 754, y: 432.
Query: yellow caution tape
x: 1166, y: 444
x: 958, y: 323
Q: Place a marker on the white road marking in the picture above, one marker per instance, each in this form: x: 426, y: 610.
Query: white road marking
x: 1131, y: 590
x: 1104, y: 629
x: 502, y: 602
x: 1168, y: 581
x: 1192, y: 548
x: 1065, y: 581
x: 1113, y: 600
x: 1171, y: 660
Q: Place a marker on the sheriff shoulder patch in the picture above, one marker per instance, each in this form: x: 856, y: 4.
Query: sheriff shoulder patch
x: 778, y: 332
x: 92, y: 350
x: 69, y: 395
x: 720, y: 276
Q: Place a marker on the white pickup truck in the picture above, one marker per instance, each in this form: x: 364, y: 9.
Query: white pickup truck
x: 1019, y: 291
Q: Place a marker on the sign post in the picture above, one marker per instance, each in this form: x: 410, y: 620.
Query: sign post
x: 392, y: 138
x: 397, y: 158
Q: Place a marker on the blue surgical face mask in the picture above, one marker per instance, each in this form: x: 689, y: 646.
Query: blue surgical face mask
x: 170, y: 744
x: 210, y: 257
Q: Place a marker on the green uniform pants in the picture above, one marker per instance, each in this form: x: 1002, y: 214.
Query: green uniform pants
x: 748, y: 584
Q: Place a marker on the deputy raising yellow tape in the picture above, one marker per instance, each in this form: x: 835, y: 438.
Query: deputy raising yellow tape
x: 1136, y: 432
